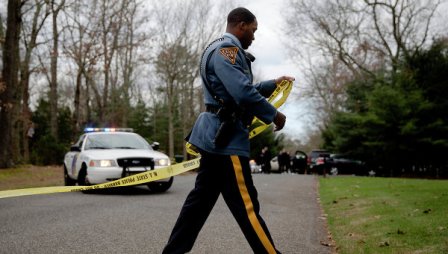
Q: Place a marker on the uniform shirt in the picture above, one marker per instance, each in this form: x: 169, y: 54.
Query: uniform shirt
x: 229, y: 74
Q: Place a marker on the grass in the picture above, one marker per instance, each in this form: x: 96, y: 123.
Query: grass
x: 27, y: 176
x: 386, y: 215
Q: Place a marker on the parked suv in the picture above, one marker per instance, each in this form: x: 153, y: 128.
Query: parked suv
x: 318, y: 161
x: 346, y: 165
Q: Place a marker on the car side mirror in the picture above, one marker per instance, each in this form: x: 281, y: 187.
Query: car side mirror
x: 155, y: 146
x: 75, y: 148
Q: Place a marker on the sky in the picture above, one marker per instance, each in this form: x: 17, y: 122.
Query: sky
x: 272, y: 60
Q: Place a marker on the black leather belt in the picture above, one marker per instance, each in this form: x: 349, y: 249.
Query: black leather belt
x: 212, y: 108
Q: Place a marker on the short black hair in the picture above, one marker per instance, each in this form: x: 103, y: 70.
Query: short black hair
x: 238, y: 15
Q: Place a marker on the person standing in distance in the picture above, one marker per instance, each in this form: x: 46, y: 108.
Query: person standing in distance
x: 224, y: 165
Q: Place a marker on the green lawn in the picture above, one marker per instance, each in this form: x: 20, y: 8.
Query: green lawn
x: 386, y: 215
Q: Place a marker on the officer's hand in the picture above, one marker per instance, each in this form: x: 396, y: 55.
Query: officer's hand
x: 280, y: 79
x: 279, y: 121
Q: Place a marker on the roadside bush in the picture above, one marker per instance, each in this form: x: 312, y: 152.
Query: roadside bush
x: 47, y: 151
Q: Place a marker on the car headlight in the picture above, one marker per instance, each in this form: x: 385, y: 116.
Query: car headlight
x: 102, y: 163
x: 161, y: 162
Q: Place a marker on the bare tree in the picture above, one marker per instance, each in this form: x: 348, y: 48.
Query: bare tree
x: 360, y: 33
x: 127, y: 60
x: 30, y: 32
x: 363, y: 36
x: 80, y: 45
x: 326, y: 90
x: 55, y: 9
x: 185, y: 28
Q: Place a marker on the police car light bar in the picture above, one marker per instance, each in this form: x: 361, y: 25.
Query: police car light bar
x: 89, y: 129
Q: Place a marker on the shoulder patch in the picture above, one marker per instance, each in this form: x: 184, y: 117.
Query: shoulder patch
x: 229, y: 53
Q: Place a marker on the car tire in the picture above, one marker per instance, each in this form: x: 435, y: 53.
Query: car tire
x: 82, y: 180
x: 160, y: 186
x: 334, y: 171
x: 67, y: 180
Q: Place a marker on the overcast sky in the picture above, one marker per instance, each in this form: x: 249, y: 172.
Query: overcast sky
x: 272, y: 58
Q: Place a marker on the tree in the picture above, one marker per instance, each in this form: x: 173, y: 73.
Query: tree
x: 169, y: 66
x: 184, y: 30
x: 80, y: 40
x: 366, y: 37
x: 9, y: 80
x: 127, y: 62
x: 30, y: 33
x: 53, y: 80
x: 399, y: 124
x: 107, y: 51
x: 326, y: 91
x: 140, y: 120
x: 46, y: 148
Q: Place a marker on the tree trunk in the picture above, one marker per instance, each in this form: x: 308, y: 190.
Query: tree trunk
x: 170, y: 121
x: 26, y: 112
x: 87, y: 100
x: 76, y: 113
x: 9, y: 81
x: 53, y: 82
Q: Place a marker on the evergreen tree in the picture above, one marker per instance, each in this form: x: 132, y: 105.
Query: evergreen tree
x: 398, y: 124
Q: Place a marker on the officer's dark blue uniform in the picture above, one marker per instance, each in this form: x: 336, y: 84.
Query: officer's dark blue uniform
x: 225, y: 170
x: 229, y: 74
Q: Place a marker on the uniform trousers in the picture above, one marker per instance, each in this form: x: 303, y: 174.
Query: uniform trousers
x: 230, y: 176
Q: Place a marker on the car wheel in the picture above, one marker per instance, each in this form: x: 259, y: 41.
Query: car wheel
x: 334, y: 171
x: 67, y: 180
x: 160, y: 186
x: 82, y: 180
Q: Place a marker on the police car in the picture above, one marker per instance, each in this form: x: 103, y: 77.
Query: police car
x: 106, y: 154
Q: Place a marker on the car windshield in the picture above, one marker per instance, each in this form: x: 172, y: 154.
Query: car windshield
x: 116, y: 141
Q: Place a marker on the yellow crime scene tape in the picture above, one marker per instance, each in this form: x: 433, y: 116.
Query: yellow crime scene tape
x: 136, y: 179
x: 277, y: 99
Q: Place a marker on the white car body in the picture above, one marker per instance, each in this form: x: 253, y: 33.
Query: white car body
x: 86, y: 164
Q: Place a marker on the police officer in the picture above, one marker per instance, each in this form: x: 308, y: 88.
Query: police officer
x: 222, y: 137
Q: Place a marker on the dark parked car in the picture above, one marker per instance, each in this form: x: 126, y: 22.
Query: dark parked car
x: 345, y: 165
x: 318, y: 161
x: 299, y: 162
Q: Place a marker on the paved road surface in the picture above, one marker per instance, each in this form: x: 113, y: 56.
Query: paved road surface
x: 137, y: 221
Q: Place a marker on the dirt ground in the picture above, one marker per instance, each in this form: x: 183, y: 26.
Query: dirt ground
x: 27, y: 176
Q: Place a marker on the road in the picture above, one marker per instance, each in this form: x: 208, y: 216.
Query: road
x: 134, y: 220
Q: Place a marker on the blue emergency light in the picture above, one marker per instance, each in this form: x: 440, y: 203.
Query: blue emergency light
x: 90, y: 129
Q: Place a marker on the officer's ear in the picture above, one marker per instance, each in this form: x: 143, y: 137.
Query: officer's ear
x: 242, y: 25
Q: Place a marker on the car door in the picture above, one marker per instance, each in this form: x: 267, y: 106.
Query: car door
x: 71, y: 158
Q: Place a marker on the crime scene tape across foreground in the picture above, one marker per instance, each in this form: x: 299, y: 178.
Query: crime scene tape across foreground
x: 283, y: 89
x: 140, y: 178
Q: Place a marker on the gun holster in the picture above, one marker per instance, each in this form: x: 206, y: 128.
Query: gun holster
x: 226, y: 128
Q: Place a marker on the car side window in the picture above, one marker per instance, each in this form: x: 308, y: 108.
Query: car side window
x: 80, y: 141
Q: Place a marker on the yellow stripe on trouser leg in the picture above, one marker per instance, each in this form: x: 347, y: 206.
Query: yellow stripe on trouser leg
x: 249, y: 206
